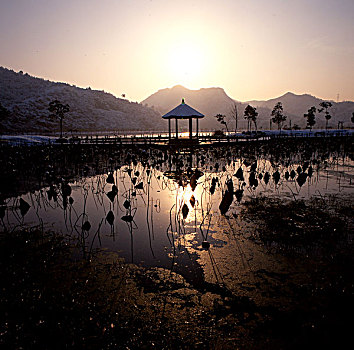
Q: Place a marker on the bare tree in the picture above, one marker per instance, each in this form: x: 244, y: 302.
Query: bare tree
x: 234, y: 114
x: 221, y: 118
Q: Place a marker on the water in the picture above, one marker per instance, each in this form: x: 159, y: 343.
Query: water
x: 160, y: 213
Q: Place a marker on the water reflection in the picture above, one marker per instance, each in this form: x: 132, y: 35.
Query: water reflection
x: 167, y: 209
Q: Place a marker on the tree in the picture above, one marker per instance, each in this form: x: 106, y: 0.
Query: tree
x: 58, y: 110
x: 251, y: 116
x: 352, y: 119
x: 4, y: 113
x: 324, y: 107
x: 278, y: 116
x: 221, y: 118
x: 310, y: 115
x: 234, y: 114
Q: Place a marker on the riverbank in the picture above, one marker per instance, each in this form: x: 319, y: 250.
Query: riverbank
x: 205, y: 138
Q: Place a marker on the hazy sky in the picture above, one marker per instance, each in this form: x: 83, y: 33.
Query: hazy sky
x: 254, y: 49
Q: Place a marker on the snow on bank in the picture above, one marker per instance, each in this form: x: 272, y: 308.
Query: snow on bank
x: 28, y: 140
x: 296, y: 133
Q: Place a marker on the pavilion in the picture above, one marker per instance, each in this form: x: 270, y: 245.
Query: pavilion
x: 183, y: 111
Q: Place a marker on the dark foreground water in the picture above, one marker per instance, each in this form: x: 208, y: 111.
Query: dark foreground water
x: 168, y: 210
x: 260, y: 236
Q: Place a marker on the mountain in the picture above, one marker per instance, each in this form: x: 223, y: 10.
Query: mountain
x: 208, y: 101
x: 212, y: 101
x: 292, y: 104
x: 295, y: 106
x: 27, y: 99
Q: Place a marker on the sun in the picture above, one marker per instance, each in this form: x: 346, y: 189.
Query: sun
x: 185, y: 62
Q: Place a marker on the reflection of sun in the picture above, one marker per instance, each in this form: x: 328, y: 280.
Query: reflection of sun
x: 184, y: 134
x: 184, y: 196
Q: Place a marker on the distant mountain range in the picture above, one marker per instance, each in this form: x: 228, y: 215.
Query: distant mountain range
x: 27, y: 99
x: 212, y: 101
x: 209, y: 101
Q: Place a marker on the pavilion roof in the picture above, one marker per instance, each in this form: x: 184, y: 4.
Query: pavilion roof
x: 183, y: 111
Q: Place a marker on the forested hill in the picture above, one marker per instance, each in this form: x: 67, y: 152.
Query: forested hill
x: 27, y: 99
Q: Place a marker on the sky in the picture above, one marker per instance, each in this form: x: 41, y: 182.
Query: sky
x: 254, y: 49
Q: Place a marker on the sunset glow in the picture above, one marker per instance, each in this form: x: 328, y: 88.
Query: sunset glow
x: 176, y: 174
x: 186, y: 62
x: 253, y: 49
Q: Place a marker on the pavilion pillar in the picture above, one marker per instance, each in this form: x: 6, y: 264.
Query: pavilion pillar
x: 197, y: 128
x: 176, y: 128
x: 190, y: 128
x: 169, y: 129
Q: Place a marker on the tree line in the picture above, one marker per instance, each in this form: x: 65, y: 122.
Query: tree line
x: 277, y: 116
x: 58, y: 110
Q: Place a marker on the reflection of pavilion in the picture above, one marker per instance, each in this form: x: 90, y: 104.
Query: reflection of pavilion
x: 183, y: 111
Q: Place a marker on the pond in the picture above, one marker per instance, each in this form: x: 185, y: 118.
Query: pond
x: 183, y: 211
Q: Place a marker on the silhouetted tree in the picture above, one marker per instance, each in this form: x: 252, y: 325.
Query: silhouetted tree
x: 222, y: 120
x: 234, y: 114
x: 352, y: 119
x: 251, y: 116
x: 278, y: 116
x: 310, y: 115
x: 4, y: 113
x: 58, y: 110
x: 324, y: 107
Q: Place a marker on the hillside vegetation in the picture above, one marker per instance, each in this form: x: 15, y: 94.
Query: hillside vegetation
x: 27, y: 99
